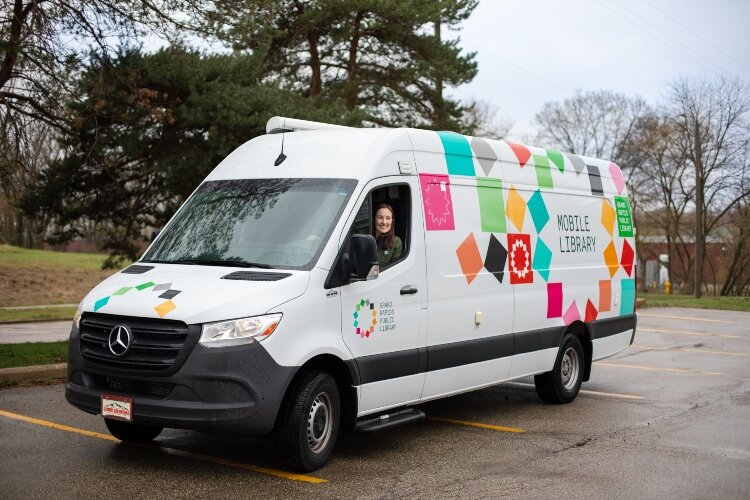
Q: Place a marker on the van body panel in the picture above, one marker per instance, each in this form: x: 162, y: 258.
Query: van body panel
x: 507, y: 247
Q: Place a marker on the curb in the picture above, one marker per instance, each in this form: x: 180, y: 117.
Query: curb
x: 38, y: 373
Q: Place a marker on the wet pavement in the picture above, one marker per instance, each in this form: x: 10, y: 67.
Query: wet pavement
x: 668, y: 417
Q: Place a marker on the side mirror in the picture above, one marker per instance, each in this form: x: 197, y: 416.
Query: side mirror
x: 363, y: 258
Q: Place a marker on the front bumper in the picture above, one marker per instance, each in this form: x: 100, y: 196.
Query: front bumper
x: 236, y: 390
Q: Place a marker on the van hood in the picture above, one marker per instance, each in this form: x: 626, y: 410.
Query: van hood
x: 194, y: 294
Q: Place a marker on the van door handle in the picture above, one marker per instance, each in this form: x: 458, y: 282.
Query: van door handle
x: 409, y: 290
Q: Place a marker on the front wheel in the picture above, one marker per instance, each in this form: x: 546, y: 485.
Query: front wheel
x: 130, y: 432
x: 562, y: 384
x: 309, y: 426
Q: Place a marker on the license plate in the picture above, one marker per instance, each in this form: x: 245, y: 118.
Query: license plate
x: 117, y: 407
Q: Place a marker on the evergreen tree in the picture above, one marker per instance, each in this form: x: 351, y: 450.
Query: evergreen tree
x: 384, y: 57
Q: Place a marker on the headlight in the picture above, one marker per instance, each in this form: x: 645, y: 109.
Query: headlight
x: 77, y: 316
x: 239, y: 331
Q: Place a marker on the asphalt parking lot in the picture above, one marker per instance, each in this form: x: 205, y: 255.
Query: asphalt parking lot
x: 668, y: 417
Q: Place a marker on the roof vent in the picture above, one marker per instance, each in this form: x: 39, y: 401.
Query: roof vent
x: 279, y: 124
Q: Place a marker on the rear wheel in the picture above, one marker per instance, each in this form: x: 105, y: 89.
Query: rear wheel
x: 130, y: 432
x: 562, y: 384
x: 309, y: 426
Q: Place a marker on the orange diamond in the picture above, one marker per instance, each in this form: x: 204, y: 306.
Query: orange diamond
x: 516, y: 209
x: 165, y: 308
x: 608, y: 216
x: 469, y: 258
x: 610, y: 258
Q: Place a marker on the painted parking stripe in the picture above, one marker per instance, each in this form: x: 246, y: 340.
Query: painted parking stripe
x: 677, y: 349
x: 169, y: 451
x: 501, y: 428
x: 688, y: 318
x: 683, y: 332
x: 583, y: 391
x: 656, y: 369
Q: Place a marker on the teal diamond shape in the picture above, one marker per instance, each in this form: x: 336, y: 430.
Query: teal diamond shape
x: 542, y: 259
x: 101, y: 303
x: 356, y: 324
x: 538, y: 211
x: 356, y: 315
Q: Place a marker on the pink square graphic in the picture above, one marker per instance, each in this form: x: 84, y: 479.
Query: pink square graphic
x: 571, y: 314
x: 616, y: 174
x: 437, y: 202
x: 554, y: 300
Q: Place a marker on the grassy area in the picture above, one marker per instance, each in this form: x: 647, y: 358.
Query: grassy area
x: 42, y: 277
x: 705, y: 302
x: 33, y: 353
x: 43, y: 314
x: 15, y: 256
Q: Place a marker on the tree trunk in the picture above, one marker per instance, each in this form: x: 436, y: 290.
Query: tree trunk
x: 316, y: 85
x: 352, y: 87
x: 439, y: 102
x: 699, y: 241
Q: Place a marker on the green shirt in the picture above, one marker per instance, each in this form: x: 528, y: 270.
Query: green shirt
x: 387, y: 256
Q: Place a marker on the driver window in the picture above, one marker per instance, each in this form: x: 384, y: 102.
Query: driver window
x: 388, y: 209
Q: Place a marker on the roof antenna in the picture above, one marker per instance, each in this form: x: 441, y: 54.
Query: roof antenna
x: 282, y: 156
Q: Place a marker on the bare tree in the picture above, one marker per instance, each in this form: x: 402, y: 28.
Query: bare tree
x: 711, y: 116
x: 597, y: 123
x: 482, y: 118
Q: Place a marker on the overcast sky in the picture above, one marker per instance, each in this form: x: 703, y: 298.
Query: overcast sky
x: 534, y: 51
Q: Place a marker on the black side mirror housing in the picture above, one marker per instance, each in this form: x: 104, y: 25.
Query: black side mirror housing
x: 363, y: 258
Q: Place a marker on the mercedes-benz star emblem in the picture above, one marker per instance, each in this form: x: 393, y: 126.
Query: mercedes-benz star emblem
x: 119, y: 340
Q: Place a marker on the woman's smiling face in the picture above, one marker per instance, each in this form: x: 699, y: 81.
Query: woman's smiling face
x: 383, y: 220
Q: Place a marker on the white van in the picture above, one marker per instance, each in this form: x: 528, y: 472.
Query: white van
x: 262, y: 307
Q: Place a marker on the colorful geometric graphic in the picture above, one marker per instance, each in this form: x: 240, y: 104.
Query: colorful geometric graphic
x: 365, y: 313
x: 469, y: 258
x: 591, y: 312
x: 616, y: 174
x: 610, y: 259
x: 605, y: 295
x: 554, y: 300
x: 486, y: 156
x: 516, y: 208
x: 538, y: 211
x: 101, y: 303
x: 628, y: 296
x: 522, y: 153
x: 608, y: 216
x: 164, y: 308
x: 436, y: 199
x: 578, y: 164
x: 571, y: 314
x: 491, y: 205
x: 519, y: 250
x: 626, y: 257
x: 542, y: 259
x: 595, y: 179
x: 557, y: 159
x: 458, y: 153
x: 494, y: 261
x: 543, y: 173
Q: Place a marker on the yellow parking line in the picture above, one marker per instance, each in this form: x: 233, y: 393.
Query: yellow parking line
x: 656, y: 369
x: 683, y: 332
x: 688, y: 318
x: 674, y: 349
x: 170, y: 451
x: 480, y: 425
x: 584, y: 391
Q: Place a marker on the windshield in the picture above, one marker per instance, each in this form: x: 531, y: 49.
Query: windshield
x: 268, y: 223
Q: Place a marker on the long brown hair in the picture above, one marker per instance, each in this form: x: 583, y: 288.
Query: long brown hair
x: 387, y: 238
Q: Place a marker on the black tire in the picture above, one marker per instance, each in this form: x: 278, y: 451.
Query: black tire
x: 562, y: 384
x: 132, y: 433
x: 309, y: 425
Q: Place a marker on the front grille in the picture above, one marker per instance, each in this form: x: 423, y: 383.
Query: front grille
x: 157, y: 346
x: 131, y: 386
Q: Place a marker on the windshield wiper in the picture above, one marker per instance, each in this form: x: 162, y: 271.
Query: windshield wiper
x: 222, y: 262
